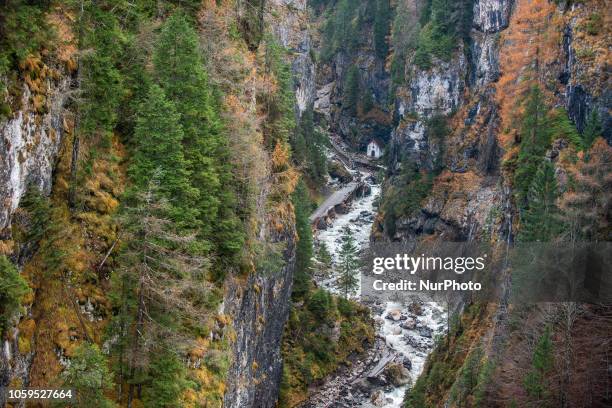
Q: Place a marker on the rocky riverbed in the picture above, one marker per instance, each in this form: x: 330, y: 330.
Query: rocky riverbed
x: 406, y: 332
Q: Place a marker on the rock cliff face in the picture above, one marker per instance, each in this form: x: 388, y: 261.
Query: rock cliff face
x: 29, y: 143
x: 260, y: 306
x: 374, y: 84
x: 463, y: 197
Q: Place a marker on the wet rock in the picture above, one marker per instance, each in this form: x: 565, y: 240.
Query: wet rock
x: 425, y: 332
x: 379, y: 380
x: 419, y: 343
x: 409, y: 324
x: 416, y: 309
x: 397, y: 374
x: 378, y: 398
x: 396, y: 330
x: 394, y: 315
x: 407, y: 363
x: 338, y: 171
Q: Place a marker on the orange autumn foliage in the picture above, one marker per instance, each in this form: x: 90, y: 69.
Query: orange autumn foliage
x: 529, y: 44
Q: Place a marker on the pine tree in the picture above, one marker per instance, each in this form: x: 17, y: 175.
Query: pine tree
x: 323, y: 264
x: 280, y: 118
x: 535, y: 138
x: 89, y: 377
x: 348, y: 263
x: 585, y: 207
x: 100, y: 80
x: 180, y: 71
x: 541, y: 221
x: 303, y: 255
x: 12, y: 288
x: 542, y: 363
x: 168, y: 381
x: 164, y: 281
x: 561, y: 127
x: 158, y: 136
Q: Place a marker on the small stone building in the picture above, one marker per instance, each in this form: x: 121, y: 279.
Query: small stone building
x: 375, y: 149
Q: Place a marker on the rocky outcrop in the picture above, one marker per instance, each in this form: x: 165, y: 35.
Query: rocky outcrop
x: 29, y: 143
x: 491, y: 16
x: 460, y: 205
x: 586, y: 85
x: 259, y: 308
x: 291, y: 28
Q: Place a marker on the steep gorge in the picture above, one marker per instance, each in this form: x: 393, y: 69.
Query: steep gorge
x: 451, y: 124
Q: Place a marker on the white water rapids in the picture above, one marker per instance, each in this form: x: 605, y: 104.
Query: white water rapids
x: 413, y: 343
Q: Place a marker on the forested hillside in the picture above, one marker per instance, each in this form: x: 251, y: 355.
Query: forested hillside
x: 160, y: 162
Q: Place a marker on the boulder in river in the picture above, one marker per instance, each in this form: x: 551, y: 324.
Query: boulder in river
x: 407, y: 363
x: 416, y: 309
x: 425, y: 332
x: 394, y: 315
x: 397, y: 374
x: 409, y: 324
x: 396, y: 330
x: 378, y: 398
x: 338, y: 171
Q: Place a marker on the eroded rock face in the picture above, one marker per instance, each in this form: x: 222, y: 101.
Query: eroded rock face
x: 259, y: 308
x: 291, y: 29
x: 29, y: 144
x: 491, y: 16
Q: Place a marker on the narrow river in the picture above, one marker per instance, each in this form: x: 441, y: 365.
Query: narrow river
x: 406, y: 332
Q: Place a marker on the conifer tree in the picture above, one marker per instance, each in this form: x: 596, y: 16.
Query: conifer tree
x: 180, y: 71
x: 89, y: 376
x: 541, y: 220
x: 542, y: 363
x: 12, y: 288
x: 561, y: 127
x: 586, y: 206
x: 280, y: 119
x: 535, y: 138
x: 158, y: 136
x: 100, y: 80
x: 163, y: 285
x: 381, y: 28
x: 348, y: 263
x: 168, y: 381
x: 323, y: 264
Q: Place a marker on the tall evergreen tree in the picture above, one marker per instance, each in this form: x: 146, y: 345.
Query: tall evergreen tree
x: 348, y: 263
x: 168, y: 381
x: 12, y: 288
x: 89, y: 376
x: 541, y: 221
x: 158, y: 138
x: 280, y: 119
x: 180, y: 71
x: 542, y: 363
x: 163, y: 289
x: 535, y: 138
